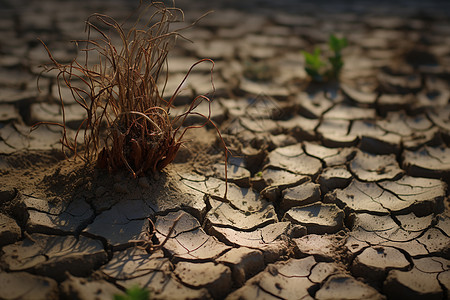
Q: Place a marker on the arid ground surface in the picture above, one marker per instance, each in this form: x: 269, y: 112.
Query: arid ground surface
x: 336, y: 190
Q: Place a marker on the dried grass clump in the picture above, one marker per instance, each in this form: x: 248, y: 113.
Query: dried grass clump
x: 127, y: 123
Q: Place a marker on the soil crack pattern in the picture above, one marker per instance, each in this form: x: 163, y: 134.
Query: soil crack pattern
x: 336, y: 180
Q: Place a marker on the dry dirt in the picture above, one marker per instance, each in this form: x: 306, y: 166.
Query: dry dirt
x: 336, y: 190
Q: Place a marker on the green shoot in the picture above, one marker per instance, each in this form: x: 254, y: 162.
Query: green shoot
x: 319, y: 69
x: 134, y: 293
x: 313, y: 64
x: 336, y: 45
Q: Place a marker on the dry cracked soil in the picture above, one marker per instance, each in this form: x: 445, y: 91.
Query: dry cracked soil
x: 337, y: 190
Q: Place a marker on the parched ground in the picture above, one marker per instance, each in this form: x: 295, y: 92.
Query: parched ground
x: 336, y: 190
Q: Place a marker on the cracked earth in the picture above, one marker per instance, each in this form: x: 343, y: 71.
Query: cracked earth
x: 336, y: 190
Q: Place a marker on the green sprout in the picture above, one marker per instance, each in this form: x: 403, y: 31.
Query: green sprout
x: 134, y: 293
x: 318, y: 69
x: 336, y: 45
x: 313, y: 64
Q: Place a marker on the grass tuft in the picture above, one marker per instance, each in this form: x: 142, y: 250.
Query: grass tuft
x: 127, y: 124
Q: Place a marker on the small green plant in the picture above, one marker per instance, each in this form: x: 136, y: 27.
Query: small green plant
x: 321, y: 70
x: 134, y: 293
x: 314, y: 64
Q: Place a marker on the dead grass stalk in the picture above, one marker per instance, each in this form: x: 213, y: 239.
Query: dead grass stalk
x: 127, y: 122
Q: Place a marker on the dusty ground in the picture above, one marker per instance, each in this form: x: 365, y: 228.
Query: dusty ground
x: 337, y: 190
